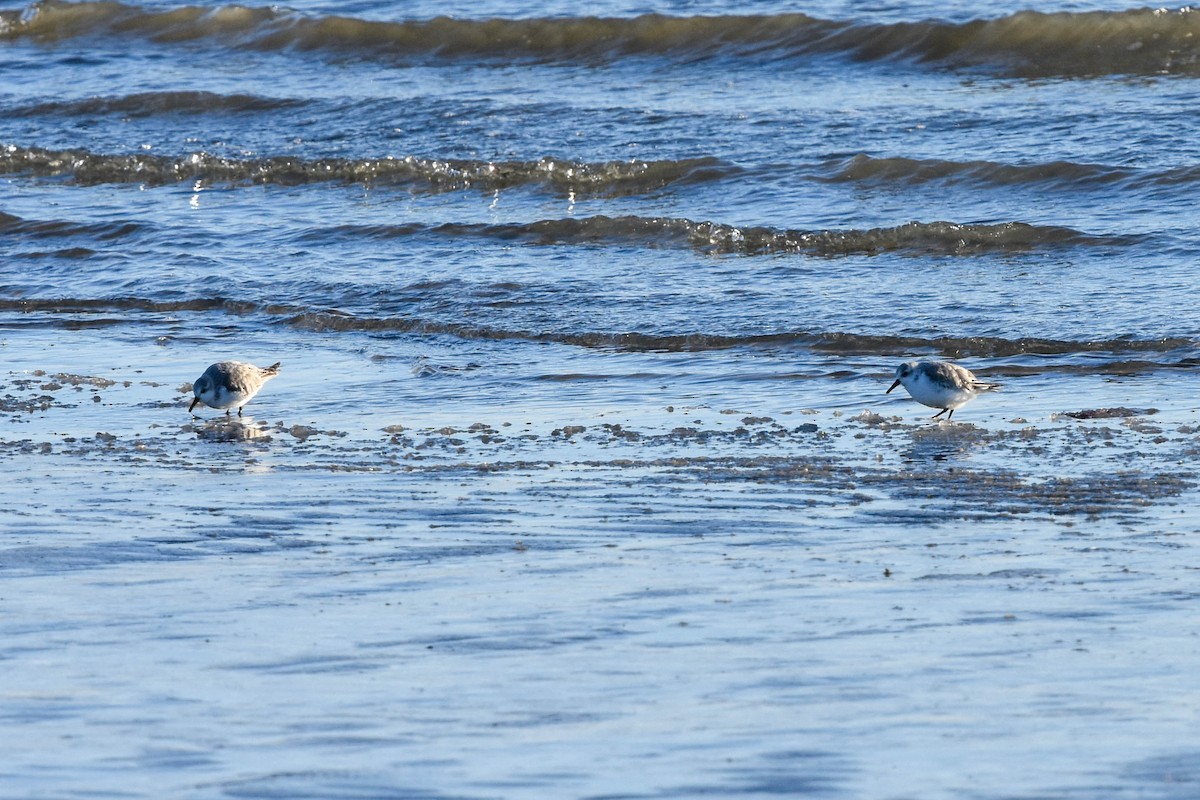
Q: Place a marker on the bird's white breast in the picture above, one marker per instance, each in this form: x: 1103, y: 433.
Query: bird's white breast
x: 936, y: 394
x: 220, y: 396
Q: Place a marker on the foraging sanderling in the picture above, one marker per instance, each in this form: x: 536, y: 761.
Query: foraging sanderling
x: 939, y: 384
x: 230, y: 383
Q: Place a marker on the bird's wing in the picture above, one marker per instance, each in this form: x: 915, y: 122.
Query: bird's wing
x: 959, y: 377
x: 237, y: 377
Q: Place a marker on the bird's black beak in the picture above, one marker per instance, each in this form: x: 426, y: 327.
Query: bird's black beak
x: 193, y: 405
x: 893, y: 386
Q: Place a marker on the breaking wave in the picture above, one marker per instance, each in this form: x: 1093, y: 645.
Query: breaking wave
x: 147, y: 104
x: 1028, y: 43
x: 718, y: 238
x: 1167, y: 352
x: 610, y: 178
x: 944, y: 238
x: 560, y: 176
x: 1066, y: 174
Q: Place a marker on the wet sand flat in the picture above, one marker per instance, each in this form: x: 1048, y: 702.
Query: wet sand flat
x: 607, y: 602
x: 578, y: 478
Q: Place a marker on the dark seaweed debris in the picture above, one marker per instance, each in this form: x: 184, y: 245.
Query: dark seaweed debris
x: 1110, y: 413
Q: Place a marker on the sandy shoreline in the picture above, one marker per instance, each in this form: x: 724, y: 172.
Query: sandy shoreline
x: 634, y: 602
x: 579, y: 478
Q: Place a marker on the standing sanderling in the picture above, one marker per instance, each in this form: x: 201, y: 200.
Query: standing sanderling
x: 939, y: 384
x: 230, y: 383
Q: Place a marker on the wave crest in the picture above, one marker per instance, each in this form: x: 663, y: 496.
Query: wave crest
x: 948, y: 238
x: 718, y: 238
x: 564, y: 177
x: 608, y: 178
x: 1029, y: 43
x: 69, y: 311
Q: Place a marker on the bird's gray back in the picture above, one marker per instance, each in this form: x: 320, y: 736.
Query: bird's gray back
x: 945, y: 372
x: 234, y: 375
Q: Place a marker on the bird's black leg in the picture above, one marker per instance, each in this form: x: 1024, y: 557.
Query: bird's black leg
x: 943, y: 411
x: 951, y: 414
x: 239, y: 411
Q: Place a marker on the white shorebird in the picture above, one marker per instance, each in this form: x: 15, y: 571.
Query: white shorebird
x: 230, y: 383
x: 939, y: 384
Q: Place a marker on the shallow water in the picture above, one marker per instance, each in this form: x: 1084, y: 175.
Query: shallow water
x: 579, y: 478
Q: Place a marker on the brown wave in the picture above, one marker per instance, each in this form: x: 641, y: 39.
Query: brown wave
x: 145, y: 104
x: 609, y: 178
x: 713, y: 237
x: 12, y: 224
x: 865, y: 168
x: 832, y: 342
x: 1030, y: 43
x: 562, y: 176
x: 67, y: 305
x: 1036, y: 44
x: 989, y: 346
x: 273, y: 28
x: 945, y: 238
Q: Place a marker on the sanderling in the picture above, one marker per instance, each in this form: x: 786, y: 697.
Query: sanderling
x: 939, y: 384
x: 230, y: 383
